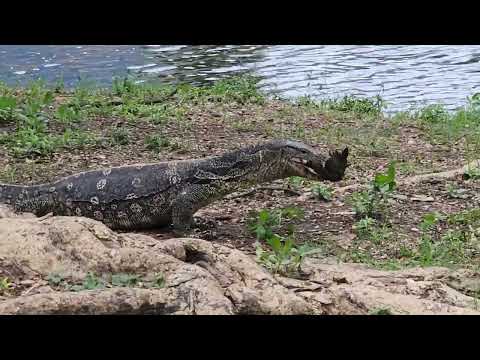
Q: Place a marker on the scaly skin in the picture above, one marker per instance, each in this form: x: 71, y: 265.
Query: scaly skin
x: 153, y: 195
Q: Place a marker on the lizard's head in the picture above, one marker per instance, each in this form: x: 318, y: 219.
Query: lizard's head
x: 302, y: 160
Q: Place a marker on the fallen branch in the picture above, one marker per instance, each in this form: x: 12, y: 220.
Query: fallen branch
x: 444, y: 175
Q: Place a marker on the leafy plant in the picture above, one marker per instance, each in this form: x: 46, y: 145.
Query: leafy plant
x: 8, y: 105
x: 158, y: 142
x: 371, y: 202
x: 262, y: 224
x: 55, y: 279
x: 455, y: 193
x: 124, y: 279
x: 381, y: 311
x: 284, y: 257
x: 120, y: 136
x: 296, y: 181
x: 322, y: 192
x: 472, y: 173
x: 364, y: 225
x: 90, y: 282
x: 66, y: 114
x: 370, y: 229
x: 430, y: 220
x: 159, y: 281
x: 5, y: 285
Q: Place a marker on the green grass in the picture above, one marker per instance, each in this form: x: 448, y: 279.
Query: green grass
x: 35, y: 114
x: 446, y: 240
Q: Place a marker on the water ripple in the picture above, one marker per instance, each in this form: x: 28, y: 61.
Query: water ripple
x: 404, y: 75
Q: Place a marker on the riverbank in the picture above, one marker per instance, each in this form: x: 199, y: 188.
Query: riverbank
x: 48, y: 133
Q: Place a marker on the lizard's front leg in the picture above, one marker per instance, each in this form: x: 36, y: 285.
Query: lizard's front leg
x: 185, y: 205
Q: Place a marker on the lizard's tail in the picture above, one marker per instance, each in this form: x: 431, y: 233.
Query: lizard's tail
x: 9, y: 193
x: 23, y: 198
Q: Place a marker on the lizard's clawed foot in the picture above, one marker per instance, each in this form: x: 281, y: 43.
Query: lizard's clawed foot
x: 200, y: 228
x: 203, y: 224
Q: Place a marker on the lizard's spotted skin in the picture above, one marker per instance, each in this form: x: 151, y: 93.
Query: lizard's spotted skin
x: 154, y: 195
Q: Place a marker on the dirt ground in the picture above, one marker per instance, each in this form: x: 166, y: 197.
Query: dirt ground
x: 208, y: 128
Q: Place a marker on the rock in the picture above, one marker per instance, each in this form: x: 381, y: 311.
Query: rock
x: 202, y: 277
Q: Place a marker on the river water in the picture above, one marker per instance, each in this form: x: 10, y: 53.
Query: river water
x: 405, y: 76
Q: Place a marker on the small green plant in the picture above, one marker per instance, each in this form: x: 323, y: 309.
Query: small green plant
x: 458, y: 245
x: 364, y: 225
x: 8, y: 105
x: 91, y: 282
x: 381, y: 311
x: 322, y: 192
x: 5, y: 285
x: 157, y: 143
x: 284, y: 257
x: 471, y: 173
x: 263, y: 223
x: 159, y: 281
x: 369, y: 229
x: 55, y: 279
x: 456, y: 193
x: 372, y: 202
x: 296, y: 181
x: 124, y: 280
x: 430, y: 220
x: 125, y: 86
x: 66, y: 114
x: 120, y: 136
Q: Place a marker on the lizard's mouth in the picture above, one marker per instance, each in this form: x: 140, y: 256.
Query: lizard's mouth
x: 307, y: 168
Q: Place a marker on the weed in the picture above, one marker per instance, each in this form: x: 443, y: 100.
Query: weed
x: 430, y: 220
x: 55, y: 279
x: 369, y: 229
x: 66, y: 114
x: 284, y: 257
x: 322, y: 192
x: 158, y: 142
x: 120, y: 136
x: 458, y: 245
x: 364, y: 225
x: 456, y: 193
x: 296, y: 181
x: 8, y: 106
x: 263, y: 223
x: 433, y: 114
x: 372, y: 202
x: 159, y: 281
x: 471, y: 173
x: 381, y: 311
x: 90, y: 282
x: 124, y: 279
x: 5, y: 285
